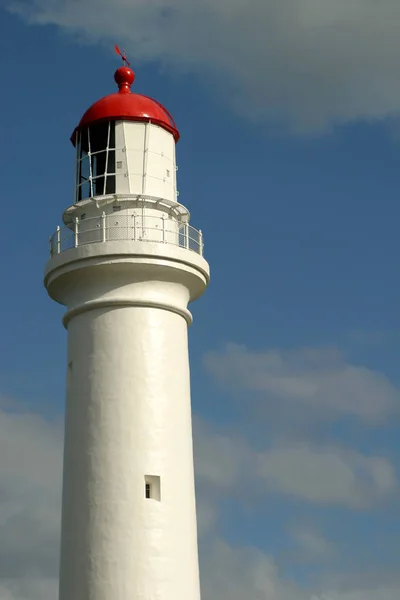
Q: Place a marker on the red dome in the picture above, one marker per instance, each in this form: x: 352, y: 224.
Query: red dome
x: 126, y: 106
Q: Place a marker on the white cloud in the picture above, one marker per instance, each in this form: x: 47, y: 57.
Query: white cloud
x: 235, y: 573
x: 220, y: 459
x: 316, y: 380
x: 320, y: 474
x: 26, y: 588
x: 207, y: 514
x: 378, y: 593
x: 311, y: 63
x: 311, y: 543
x: 327, y: 475
x: 30, y: 481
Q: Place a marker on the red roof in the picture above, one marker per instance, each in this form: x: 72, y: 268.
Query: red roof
x: 126, y: 106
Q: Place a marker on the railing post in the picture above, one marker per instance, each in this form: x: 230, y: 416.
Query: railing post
x: 103, y: 226
x: 76, y: 231
x: 163, y: 228
x: 134, y: 228
x: 58, y: 239
x: 187, y: 236
x: 201, y: 243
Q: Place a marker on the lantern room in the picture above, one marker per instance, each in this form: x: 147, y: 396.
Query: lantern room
x: 125, y: 144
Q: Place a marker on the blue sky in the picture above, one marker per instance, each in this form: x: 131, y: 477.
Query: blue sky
x: 288, y: 162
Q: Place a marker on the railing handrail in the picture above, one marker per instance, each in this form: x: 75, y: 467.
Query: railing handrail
x: 134, y: 228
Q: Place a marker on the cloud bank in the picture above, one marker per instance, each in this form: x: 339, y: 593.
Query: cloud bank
x: 30, y: 497
x: 321, y: 474
x: 318, y: 381
x: 310, y: 64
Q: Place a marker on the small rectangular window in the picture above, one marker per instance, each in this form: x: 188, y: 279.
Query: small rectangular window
x: 152, y: 487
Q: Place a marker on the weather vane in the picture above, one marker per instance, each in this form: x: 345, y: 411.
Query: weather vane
x: 122, y: 54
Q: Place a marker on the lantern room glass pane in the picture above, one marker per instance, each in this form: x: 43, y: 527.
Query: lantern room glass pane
x: 99, y: 161
x: 111, y: 142
x: 98, y: 137
x: 84, y: 191
x: 84, y: 171
x: 83, y: 140
x: 96, y: 161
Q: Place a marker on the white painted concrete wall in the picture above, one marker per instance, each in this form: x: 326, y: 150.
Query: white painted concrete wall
x: 128, y: 416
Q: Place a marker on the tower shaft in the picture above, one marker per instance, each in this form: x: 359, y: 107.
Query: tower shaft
x: 128, y: 432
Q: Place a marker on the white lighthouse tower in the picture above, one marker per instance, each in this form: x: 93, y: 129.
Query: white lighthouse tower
x: 126, y: 264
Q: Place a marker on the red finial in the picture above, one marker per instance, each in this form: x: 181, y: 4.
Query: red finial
x: 124, y: 77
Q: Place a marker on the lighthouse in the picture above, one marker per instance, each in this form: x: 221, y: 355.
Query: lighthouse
x: 126, y: 263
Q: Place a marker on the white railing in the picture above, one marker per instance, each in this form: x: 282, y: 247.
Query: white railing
x: 114, y: 227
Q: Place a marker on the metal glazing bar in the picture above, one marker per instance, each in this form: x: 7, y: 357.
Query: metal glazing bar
x: 107, y: 151
x: 90, y: 164
x: 77, y: 166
